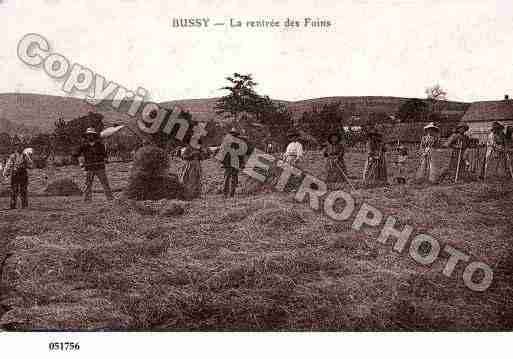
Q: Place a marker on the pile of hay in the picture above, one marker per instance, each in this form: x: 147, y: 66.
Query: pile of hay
x: 149, y: 178
x: 63, y: 187
x: 274, y: 220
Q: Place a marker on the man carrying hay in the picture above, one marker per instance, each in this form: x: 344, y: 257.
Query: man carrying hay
x: 428, y: 169
x: 335, y: 165
x: 94, y: 158
x: 16, y: 168
x: 495, y: 152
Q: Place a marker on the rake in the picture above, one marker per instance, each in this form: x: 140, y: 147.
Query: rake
x: 353, y: 188
x: 508, y: 158
x: 459, y: 163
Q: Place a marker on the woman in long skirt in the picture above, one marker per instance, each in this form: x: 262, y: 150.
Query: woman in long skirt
x: 335, y: 165
x: 382, y: 164
x: 375, y: 166
x: 496, y: 165
x: 428, y: 169
x: 459, y: 143
x: 190, y: 176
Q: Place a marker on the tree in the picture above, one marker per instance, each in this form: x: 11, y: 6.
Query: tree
x: 42, y: 144
x: 241, y: 98
x: 379, y: 117
x: 68, y: 135
x: 323, y: 120
x: 435, y: 95
x: 246, y: 107
x: 413, y: 110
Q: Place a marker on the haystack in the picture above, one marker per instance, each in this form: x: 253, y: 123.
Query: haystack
x: 63, y: 187
x: 149, y: 178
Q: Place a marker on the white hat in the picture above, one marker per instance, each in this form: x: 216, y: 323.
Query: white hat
x: 91, y: 131
x: 431, y: 125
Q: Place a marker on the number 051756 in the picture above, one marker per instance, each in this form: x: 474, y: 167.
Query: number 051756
x: 63, y: 346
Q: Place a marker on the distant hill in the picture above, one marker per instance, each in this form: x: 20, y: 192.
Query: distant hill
x: 32, y: 111
x: 363, y: 105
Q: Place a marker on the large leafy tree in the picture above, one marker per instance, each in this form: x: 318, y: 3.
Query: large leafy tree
x: 241, y: 97
x: 246, y: 107
x: 435, y: 96
x: 413, y: 110
x: 323, y: 120
x: 42, y: 144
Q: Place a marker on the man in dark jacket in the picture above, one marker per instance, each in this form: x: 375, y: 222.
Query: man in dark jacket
x: 232, y: 168
x: 16, y: 168
x: 94, y: 158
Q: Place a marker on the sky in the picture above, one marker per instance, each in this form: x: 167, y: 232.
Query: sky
x: 372, y: 48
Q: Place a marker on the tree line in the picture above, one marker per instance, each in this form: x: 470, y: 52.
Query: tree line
x: 258, y: 116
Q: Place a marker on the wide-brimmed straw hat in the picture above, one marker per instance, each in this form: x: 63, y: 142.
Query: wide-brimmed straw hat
x: 233, y: 131
x: 497, y: 126
x: 91, y: 131
x: 431, y: 126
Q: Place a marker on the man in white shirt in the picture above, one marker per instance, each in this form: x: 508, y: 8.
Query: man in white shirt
x: 294, y: 152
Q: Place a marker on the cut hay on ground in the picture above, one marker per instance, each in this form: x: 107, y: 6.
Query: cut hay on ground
x: 262, y: 262
x: 62, y: 187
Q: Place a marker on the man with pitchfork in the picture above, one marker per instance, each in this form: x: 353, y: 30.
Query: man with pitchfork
x: 496, y: 164
x: 93, y: 157
x: 458, y: 142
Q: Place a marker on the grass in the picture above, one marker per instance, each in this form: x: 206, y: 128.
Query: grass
x: 255, y: 262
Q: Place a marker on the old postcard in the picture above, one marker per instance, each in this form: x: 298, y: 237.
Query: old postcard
x: 235, y: 166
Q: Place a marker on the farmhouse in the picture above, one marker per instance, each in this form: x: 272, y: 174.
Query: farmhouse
x: 480, y: 116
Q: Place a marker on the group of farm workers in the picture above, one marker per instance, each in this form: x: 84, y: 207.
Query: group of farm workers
x: 465, y: 163
x: 462, y: 165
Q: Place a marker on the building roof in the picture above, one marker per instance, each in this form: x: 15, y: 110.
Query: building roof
x: 489, y: 111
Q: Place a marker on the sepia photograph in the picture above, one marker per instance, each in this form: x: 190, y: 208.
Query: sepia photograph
x: 215, y: 168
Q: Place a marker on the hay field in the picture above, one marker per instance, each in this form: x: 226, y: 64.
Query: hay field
x: 254, y: 262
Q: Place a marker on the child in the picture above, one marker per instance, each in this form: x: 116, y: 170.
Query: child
x: 400, y: 158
